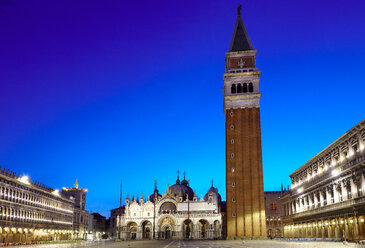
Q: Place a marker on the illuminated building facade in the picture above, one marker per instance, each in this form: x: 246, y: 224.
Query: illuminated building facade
x: 274, y: 213
x: 244, y: 178
x: 81, y: 216
x: 327, y: 197
x: 177, y: 214
x: 30, y: 211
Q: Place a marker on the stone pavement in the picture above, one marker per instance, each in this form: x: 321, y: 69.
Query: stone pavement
x: 197, y: 244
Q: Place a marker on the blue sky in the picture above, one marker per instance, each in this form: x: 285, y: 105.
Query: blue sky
x: 103, y: 91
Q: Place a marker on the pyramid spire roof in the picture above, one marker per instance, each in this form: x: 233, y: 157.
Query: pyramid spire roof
x: 240, y: 39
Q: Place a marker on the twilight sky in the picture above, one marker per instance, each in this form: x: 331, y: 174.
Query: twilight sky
x: 109, y: 90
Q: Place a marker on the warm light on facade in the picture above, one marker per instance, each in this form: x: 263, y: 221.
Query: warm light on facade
x: 56, y: 192
x: 24, y: 179
x: 335, y: 172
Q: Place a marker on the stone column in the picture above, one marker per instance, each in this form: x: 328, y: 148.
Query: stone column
x: 356, y: 228
x: 353, y: 188
x: 310, y: 200
x: 335, y: 194
x: 139, y: 232
x: 346, y: 234
x: 344, y: 191
x: 328, y: 195
x: 315, y: 200
x: 337, y: 227
x: 362, y: 184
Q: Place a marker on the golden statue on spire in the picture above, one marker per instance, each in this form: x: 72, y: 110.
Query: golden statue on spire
x: 76, y: 185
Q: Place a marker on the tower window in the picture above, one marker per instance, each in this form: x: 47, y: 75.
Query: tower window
x: 232, y: 141
x: 232, y: 127
x: 231, y: 114
x: 233, y: 88
x: 239, y: 88
x: 244, y: 88
x: 233, y: 199
x: 233, y: 170
x: 233, y: 214
x: 233, y: 185
x: 232, y: 155
x: 250, y: 87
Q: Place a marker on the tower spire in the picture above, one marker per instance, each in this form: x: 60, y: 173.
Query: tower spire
x: 178, y: 180
x: 240, y: 39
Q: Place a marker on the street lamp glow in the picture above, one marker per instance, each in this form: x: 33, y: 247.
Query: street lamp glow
x: 335, y: 172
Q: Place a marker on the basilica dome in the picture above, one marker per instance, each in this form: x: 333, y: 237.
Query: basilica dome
x: 216, y: 196
x: 182, y: 189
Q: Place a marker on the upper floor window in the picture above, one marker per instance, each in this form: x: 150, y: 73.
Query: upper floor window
x: 273, y: 206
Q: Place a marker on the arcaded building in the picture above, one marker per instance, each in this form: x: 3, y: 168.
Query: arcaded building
x: 327, y: 197
x: 176, y: 214
x: 244, y: 177
x: 31, y: 211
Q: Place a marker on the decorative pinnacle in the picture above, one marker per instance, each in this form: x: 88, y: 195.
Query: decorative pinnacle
x: 239, y: 10
x: 184, y: 175
x: 155, y: 184
x: 76, y: 185
x: 178, y: 172
x: 212, y: 182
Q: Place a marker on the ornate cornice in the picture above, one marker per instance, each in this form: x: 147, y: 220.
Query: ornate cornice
x: 242, y: 74
x: 242, y: 101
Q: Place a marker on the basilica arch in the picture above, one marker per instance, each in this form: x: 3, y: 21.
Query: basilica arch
x: 187, y: 229
x: 146, y: 229
x: 132, y: 230
x: 166, y: 227
x: 203, y: 228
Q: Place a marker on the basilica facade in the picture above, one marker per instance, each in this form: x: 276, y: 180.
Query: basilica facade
x: 176, y: 214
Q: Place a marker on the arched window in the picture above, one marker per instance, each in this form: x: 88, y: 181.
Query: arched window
x: 244, y: 88
x: 250, y: 87
x: 239, y: 88
x: 233, y: 88
x: 168, y: 207
x: 273, y: 206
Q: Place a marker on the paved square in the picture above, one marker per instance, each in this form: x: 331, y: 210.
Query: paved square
x: 198, y: 244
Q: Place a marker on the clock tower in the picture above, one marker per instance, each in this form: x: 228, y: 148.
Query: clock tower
x: 244, y: 176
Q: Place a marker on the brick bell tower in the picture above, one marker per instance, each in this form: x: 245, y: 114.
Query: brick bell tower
x: 244, y: 177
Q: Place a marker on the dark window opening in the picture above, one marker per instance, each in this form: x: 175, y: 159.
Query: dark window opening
x: 244, y: 88
x: 250, y: 87
x: 239, y: 88
x: 233, y: 89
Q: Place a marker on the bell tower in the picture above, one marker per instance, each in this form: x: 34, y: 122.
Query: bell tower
x: 244, y: 176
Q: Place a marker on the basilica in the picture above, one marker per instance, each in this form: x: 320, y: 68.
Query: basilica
x: 176, y: 214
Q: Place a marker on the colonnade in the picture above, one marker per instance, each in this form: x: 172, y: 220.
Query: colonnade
x: 26, y: 235
x: 339, y: 228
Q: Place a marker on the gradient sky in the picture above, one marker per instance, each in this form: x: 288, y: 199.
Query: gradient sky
x: 109, y: 90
